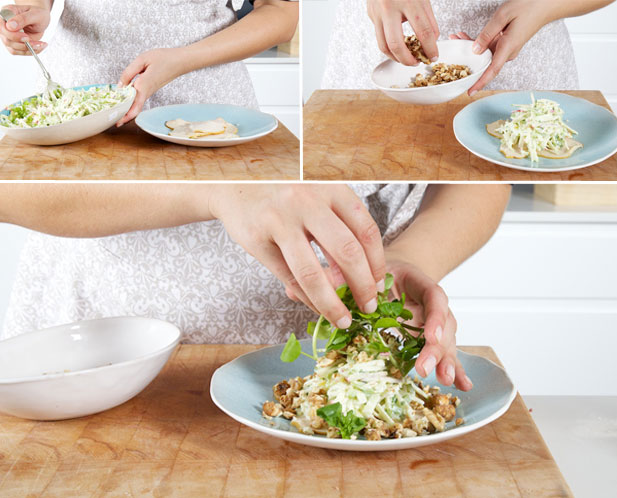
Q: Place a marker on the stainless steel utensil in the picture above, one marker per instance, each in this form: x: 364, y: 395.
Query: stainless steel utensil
x: 52, y: 86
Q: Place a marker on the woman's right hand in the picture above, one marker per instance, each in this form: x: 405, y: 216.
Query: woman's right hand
x: 33, y: 20
x: 388, y: 17
x: 276, y: 224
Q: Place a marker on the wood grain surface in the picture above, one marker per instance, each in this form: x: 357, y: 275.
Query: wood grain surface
x: 171, y: 440
x: 365, y: 135
x: 128, y: 153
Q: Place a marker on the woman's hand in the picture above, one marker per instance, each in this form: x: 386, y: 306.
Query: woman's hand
x: 276, y: 224
x: 388, y: 17
x: 429, y: 304
x: 33, y: 20
x: 153, y: 70
x: 512, y: 25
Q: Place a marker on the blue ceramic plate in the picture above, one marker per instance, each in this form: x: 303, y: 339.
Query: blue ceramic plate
x: 251, y: 124
x: 597, y: 130
x: 240, y: 387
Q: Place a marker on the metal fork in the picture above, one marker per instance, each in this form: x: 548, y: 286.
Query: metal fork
x: 52, y: 86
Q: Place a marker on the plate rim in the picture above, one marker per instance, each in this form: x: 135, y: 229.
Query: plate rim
x: 229, y: 141
x: 531, y: 168
x: 362, y: 445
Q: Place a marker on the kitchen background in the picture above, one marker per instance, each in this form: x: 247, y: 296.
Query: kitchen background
x: 275, y: 75
x: 594, y: 37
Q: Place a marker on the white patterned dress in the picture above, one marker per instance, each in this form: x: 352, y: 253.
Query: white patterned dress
x: 194, y: 276
x: 96, y: 40
x: 546, y: 62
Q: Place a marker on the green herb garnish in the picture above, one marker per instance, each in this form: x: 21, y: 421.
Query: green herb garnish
x: 347, y: 424
x: 404, y: 347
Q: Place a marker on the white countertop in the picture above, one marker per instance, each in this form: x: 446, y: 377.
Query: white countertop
x: 524, y: 208
x: 581, y: 433
x: 273, y: 56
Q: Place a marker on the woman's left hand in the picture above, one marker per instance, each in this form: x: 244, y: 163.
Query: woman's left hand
x: 514, y: 23
x: 153, y: 69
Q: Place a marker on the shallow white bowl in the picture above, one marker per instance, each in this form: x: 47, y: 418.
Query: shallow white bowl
x: 82, y: 368
x: 75, y: 129
x: 390, y: 73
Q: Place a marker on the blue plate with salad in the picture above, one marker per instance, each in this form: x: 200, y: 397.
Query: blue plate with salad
x: 66, y: 116
x: 537, y: 131
x: 356, y: 389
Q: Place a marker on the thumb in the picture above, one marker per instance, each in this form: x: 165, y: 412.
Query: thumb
x: 488, y: 34
x: 24, y: 17
x: 132, y: 70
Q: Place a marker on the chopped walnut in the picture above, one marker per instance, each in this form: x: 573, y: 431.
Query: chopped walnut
x: 446, y: 411
x: 271, y: 409
x: 458, y: 421
x: 415, y: 47
x: 441, y: 73
x: 372, y: 434
x: 280, y: 389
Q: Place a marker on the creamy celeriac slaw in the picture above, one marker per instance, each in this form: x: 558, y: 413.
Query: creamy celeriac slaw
x: 64, y: 105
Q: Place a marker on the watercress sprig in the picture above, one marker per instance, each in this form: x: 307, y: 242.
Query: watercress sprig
x: 404, y: 347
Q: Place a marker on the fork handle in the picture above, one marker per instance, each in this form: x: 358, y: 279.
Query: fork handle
x: 45, y: 72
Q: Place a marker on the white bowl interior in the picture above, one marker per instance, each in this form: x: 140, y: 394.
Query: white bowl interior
x: 390, y: 73
x: 83, y: 345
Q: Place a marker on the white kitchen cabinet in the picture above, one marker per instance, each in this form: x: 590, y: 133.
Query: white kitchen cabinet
x: 543, y: 294
x: 276, y: 78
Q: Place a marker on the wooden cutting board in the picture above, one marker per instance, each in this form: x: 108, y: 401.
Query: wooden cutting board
x: 171, y: 440
x: 339, y: 144
x: 128, y: 153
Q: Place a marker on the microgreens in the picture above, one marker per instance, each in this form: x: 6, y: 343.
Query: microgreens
x: 347, y: 424
x: 375, y: 327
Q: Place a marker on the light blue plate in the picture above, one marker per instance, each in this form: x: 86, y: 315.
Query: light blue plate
x: 251, y: 124
x: 240, y: 387
x: 597, y: 130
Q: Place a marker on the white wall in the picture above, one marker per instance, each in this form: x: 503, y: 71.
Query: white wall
x: 594, y: 37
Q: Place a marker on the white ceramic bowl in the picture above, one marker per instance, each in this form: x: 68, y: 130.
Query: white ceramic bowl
x: 390, y: 73
x: 74, y: 130
x: 82, y: 368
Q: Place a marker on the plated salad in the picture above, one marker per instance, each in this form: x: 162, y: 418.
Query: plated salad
x: 535, y: 130
x: 64, y: 105
x: 361, y: 384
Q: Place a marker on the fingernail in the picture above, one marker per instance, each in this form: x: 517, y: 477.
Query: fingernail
x: 12, y: 25
x: 344, y: 322
x: 467, y: 379
x: 370, y: 306
x: 120, y: 84
x: 429, y: 364
x: 476, y: 49
x: 450, y: 373
x: 24, y: 39
x: 438, y: 333
x: 381, y: 285
x: 434, y: 59
x: 472, y: 93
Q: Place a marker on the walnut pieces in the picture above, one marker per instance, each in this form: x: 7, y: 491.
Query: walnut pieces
x: 441, y: 73
x: 415, y: 47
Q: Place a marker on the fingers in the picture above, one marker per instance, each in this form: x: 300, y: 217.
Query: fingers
x: 350, y: 209
x: 132, y: 70
x: 461, y: 35
x: 381, y: 41
x: 495, y: 26
x: 135, y: 109
x: 461, y: 381
x: 308, y: 275
x: 348, y: 253
x: 19, y: 48
x: 500, y: 57
x: 425, y: 27
x: 395, y: 40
